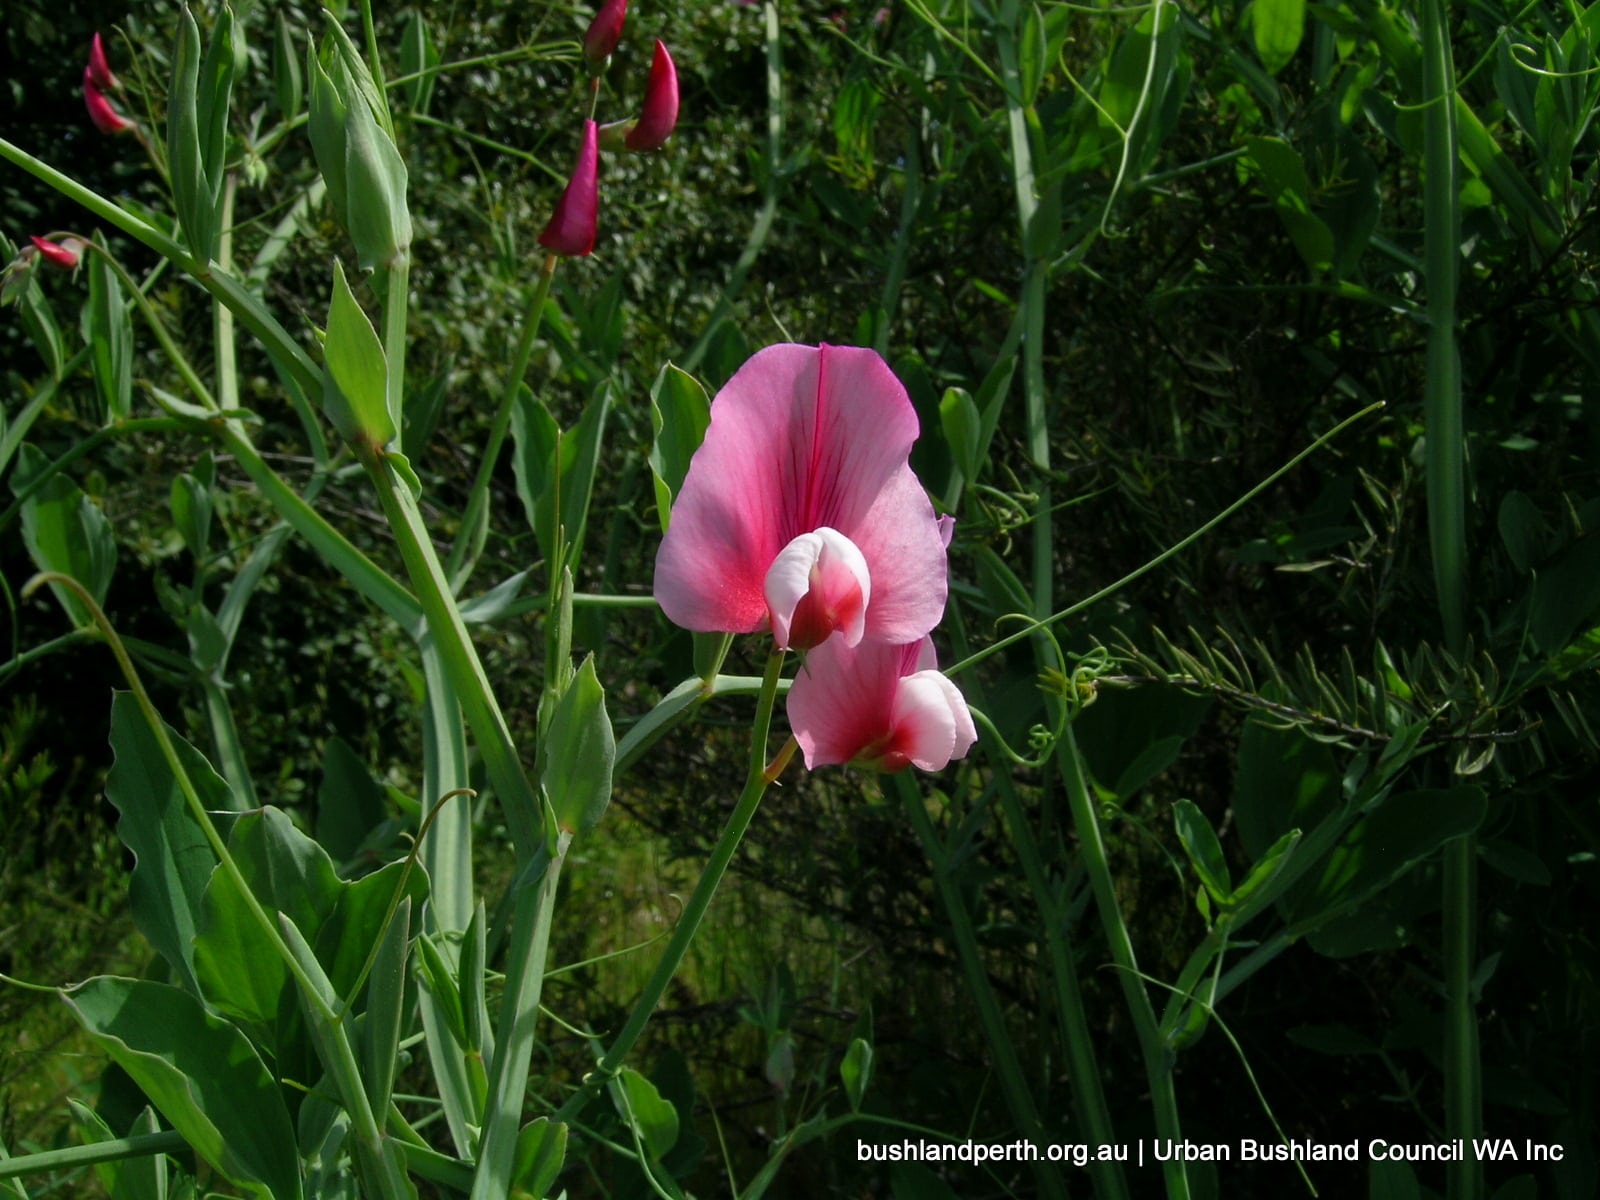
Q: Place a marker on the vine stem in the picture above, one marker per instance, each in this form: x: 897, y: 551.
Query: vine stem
x: 1158, y: 1058
x: 757, y: 779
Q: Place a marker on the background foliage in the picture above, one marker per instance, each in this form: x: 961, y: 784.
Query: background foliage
x: 1154, y: 251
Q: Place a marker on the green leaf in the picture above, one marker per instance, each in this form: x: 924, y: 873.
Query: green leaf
x: 1204, y: 851
x: 172, y: 859
x: 679, y: 415
x: 855, y: 1071
x: 287, y: 79
x: 535, y: 435
x: 140, y: 1178
x: 1032, y: 45
x: 1387, y: 842
x: 436, y: 976
x: 1523, y: 530
x: 962, y: 426
x: 350, y: 804
x: 1284, y: 781
x: 65, y: 532
x: 1389, y: 1180
x: 191, y: 512
x: 191, y: 190
x: 1283, y: 177
x: 386, y: 990
x: 541, y: 1150
x: 237, y: 963
x: 213, y: 95
x: 639, y: 1102
x: 108, y: 331
x: 1278, y: 27
x: 1515, y: 862
x: 357, y: 376
x: 569, y: 480
x: 419, y: 53
x: 1256, y: 891
x: 1566, y: 595
x: 202, y: 1074
x: 579, y: 752
x: 1339, y: 1041
x: 358, y: 920
x: 325, y: 122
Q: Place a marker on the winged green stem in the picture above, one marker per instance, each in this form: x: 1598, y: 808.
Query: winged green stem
x: 144, y: 1145
x: 514, y: 1039
x: 518, y: 800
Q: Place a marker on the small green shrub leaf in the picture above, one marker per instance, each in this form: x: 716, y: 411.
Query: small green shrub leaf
x: 638, y: 1101
x: 579, y: 752
x: 679, y: 415
x: 1278, y: 27
x: 357, y: 376
x: 541, y: 1150
x: 1204, y: 851
x: 855, y: 1071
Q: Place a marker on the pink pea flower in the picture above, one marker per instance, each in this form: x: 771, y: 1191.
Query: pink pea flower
x: 101, y: 111
x: 604, y: 32
x: 99, y: 72
x: 878, y: 706
x: 571, y: 231
x: 800, y: 512
x: 659, y: 115
x: 63, y: 254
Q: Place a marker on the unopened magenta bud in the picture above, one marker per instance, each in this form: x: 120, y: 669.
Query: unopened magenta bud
x: 659, y: 116
x: 101, y: 111
x: 100, y: 67
x: 604, y: 33
x: 571, y: 231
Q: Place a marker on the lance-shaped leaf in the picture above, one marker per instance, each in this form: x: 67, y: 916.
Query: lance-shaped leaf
x: 378, y: 218
x: 202, y: 1074
x: 172, y: 860
x: 65, y: 531
x: 108, y: 331
x: 326, y: 122
x: 579, y: 752
x: 213, y: 95
x: 186, y: 153
x: 286, y: 76
x: 419, y: 56
x: 541, y: 1149
x: 354, y: 396
x: 386, y: 988
x: 679, y: 414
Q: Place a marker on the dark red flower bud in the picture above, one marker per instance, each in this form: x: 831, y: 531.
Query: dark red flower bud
x: 571, y: 230
x: 604, y: 33
x: 61, y: 254
x: 101, y: 111
x: 659, y: 116
x: 100, y: 67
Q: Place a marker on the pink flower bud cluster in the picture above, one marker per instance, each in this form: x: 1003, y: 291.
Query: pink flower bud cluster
x: 572, y: 228
x: 97, y: 81
x: 800, y: 515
